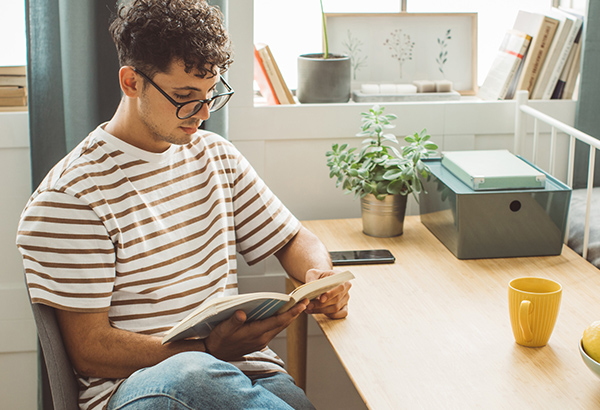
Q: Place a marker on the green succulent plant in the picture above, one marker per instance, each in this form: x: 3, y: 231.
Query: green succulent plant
x: 378, y: 167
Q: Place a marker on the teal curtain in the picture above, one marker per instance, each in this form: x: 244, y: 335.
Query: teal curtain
x: 586, y: 116
x: 73, y: 76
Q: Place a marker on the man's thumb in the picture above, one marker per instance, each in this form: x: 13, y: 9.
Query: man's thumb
x: 236, y: 321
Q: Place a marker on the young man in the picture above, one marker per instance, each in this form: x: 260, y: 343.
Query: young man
x: 141, y: 223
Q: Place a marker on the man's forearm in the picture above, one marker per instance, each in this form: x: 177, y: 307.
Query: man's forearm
x: 97, y: 349
x: 305, y: 251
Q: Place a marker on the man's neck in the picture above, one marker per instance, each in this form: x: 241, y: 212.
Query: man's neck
x: 127, y: 127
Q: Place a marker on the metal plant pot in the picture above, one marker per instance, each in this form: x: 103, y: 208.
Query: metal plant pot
x: 323, y: 80
x: 383, y: 219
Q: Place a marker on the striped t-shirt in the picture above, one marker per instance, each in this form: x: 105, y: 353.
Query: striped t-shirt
x: 148, y: 237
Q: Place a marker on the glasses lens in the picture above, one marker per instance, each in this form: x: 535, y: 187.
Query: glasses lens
x: 191, y: 108
x: 218, y: 102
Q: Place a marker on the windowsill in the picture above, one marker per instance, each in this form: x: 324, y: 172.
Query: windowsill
x: 261, y: 102
x: 467, y: 116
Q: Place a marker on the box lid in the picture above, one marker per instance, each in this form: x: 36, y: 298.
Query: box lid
x: 493, y: 170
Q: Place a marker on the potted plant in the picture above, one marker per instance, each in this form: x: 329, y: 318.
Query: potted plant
x: 323, y: 77
x: 379, y: 173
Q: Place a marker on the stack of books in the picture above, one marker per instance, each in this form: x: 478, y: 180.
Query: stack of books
x: 541, y: 53
x: 13, y: 87
x: 268, y: 77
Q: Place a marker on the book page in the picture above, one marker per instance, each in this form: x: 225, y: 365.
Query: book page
x: 200, y: 323
x: 316, y: 288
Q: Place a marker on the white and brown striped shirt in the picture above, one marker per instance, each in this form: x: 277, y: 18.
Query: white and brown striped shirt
x: 148, y: 237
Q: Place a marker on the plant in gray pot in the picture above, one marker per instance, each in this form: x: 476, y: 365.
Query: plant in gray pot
x: 324, y: 77
x: 381, y: 174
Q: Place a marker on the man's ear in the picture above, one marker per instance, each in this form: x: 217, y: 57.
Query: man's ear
x: 130, y: 82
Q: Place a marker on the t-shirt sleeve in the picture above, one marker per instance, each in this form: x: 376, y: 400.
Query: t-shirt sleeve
x: 68, y: 256
x: 263, y: 224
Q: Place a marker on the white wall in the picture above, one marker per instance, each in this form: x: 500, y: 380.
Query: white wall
x: 18, y: 344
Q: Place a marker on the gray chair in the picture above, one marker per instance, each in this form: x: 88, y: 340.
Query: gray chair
x: 62, y: 380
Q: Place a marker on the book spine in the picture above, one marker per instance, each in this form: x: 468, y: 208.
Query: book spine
x: 564, y: 55
x: 558, y: 43
x: 262, y: 79
x: 13, y: 101
x: 19, y: 70
x: 537, y: 54
x: 515, y: 66
x: 562, y: 80
x: 13, y: 80
x: 8, y: 91
x: 272, y: 74
x: 502, y: 72
x: 289, y: 98
x: 573, y: 74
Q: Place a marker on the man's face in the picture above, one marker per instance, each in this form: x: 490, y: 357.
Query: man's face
x: 158, y: 115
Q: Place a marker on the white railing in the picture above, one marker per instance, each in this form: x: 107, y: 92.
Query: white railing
x: 573, y: 134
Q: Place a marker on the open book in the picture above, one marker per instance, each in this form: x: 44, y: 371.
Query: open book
x: 259, y: 305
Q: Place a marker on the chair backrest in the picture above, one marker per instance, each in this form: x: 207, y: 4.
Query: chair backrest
x: 63, y: 384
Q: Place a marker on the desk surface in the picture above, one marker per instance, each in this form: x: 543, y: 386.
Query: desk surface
x: 432, y: 331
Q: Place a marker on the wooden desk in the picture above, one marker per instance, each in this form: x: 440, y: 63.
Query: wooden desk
x: 432, y: 331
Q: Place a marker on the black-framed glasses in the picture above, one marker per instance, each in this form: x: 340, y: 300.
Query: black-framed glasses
x: 190, y: 108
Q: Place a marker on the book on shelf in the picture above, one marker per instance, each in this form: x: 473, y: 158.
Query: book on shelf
x: 282, y: 92
x: 512, y: 88
x: 257, y: 306
x: 262, y: 80
x: 13, y: 76
x: 505, y: 65
x: 13, y: 96
x: 13, y: 101
x: 541, y: 28
x: 558, y: 53
x: 13, y: 80
x: 12, y: 91
x: 18, y: 70
x: 571, y: 68
x: 573, y: 76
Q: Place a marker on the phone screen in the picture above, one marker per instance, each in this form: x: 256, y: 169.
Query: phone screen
x: 361, y: 257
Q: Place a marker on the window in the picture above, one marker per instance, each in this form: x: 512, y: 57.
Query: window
x: 291, y: 28
x: 13, y: 49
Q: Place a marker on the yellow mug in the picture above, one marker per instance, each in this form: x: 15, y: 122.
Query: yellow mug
x: 533, y: 304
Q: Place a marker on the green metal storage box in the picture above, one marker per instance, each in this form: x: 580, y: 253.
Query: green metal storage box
x: 494, y: 224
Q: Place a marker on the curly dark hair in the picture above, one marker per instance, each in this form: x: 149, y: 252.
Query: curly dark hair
x: 151, y: 34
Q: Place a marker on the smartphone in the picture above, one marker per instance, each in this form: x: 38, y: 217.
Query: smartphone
x: 361, y: 257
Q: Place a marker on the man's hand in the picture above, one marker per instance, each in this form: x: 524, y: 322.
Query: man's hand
x: 306, y: 259
x: 334, y: 304
x: 233, y: 338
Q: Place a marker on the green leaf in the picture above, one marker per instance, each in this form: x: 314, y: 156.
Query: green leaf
x: 396, y: 187
x: 392, y: 174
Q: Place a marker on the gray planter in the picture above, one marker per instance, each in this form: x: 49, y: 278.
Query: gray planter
x: 383, y: 219
x: 323, y: 80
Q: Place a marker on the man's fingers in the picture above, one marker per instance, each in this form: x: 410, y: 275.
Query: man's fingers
x: 340, y: 314
x: 232, y: 325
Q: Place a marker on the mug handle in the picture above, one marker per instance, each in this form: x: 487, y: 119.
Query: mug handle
x: 524, y: 319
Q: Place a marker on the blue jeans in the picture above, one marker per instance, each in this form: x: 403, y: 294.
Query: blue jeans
x: 197, y: 380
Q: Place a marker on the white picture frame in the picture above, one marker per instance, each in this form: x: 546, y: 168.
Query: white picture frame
x: 400, y: 48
